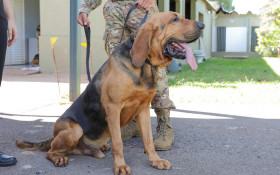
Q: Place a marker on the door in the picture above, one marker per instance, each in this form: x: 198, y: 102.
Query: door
x: 236, y: 39
x: 16, y: 53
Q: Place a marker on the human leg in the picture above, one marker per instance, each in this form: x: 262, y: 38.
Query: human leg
x: 3, y: 46
x: 162, y: 104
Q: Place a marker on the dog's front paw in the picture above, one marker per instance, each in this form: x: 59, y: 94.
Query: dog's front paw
x: 61, y: 161
x: 161, y: 164
x: 122, y: 170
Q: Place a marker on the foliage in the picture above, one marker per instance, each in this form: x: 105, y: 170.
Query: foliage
x: 227, y: 4
x: 269, y: 31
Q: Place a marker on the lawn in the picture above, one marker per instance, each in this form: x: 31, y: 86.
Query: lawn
x: 242, y: 81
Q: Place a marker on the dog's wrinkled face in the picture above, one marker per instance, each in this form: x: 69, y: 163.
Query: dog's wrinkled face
x: 165, y: 36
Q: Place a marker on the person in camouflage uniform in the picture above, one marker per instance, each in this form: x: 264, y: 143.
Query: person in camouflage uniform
x: 115, y: 12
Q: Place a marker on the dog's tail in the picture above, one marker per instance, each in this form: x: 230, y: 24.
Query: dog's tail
x: 40, y: 146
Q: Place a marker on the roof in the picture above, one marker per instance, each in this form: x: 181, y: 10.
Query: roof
x: 209, y: 4
x: 220, y: 9
x: 215, y: 4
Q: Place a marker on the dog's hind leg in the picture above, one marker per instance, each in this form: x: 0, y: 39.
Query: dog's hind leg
x: 83, y: 149
x: 66, y: 138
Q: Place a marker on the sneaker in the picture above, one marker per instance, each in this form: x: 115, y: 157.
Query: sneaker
x: 6, y: 160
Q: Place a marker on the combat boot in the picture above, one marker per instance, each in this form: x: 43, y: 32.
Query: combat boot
x: 165, y: 136
x: 130, y: 130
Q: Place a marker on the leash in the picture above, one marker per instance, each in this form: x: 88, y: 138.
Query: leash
x: 127, y: 17
x: 87, y: 32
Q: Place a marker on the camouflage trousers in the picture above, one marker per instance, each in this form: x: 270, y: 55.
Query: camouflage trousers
x: 115, y: 14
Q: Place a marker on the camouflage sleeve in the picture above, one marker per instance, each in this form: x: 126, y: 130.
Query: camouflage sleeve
x: 88, y: 5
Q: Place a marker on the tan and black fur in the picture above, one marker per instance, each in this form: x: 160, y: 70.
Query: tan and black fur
x: 121, y: 90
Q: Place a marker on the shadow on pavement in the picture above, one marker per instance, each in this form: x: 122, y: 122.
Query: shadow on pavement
x: 202, y: 146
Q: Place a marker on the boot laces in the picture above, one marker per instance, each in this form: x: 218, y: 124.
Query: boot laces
x: 162, y: 127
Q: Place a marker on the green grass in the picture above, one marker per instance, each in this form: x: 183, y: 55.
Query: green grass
x: 224, y: 73
x: 226, y: 81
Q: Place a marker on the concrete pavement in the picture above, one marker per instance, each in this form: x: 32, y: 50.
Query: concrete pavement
x: 209, y: 138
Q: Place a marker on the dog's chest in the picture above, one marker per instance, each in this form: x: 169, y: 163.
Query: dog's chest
x: 136, y: 104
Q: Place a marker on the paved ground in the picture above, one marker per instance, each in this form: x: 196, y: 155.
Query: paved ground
x: 209, y: 138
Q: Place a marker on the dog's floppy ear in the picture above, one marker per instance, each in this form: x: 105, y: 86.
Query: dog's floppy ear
x: 141, y: 47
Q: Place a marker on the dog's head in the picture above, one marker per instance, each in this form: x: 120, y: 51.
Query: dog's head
x: 163, y: 37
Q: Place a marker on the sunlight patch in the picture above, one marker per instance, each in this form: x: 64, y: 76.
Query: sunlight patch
x: 274, y: 64
x: 30, y: 118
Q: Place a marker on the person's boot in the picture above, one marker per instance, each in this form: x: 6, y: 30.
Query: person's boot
x: 130, y: 130
x: 165, y: 136
x: 6, y: 160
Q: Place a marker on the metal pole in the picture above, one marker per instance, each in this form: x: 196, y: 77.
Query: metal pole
x: 75, y: 51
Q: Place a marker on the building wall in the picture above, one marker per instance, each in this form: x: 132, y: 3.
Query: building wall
x: 55, y: 21
x: 237, y: 20
x: 202, y: 9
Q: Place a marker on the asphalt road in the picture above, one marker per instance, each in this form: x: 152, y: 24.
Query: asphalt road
x: 231, y: 145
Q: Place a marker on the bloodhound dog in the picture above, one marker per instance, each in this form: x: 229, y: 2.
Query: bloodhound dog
x: 120, y: 91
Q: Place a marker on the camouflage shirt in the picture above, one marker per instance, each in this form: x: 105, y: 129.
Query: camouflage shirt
x: 88, y: 5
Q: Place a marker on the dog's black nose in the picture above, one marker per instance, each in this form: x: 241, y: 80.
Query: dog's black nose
x: 200, y: 26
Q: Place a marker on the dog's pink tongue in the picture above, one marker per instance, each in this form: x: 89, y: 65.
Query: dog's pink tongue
x: 189, y: 56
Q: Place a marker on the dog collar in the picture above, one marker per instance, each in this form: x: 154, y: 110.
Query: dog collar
x: 148, y: 61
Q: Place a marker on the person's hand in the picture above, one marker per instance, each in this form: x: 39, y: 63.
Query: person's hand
x: 83, y: 19
x: 146, y: 4
x: 12, y: 32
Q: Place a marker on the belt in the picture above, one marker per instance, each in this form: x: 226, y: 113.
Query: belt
x: 121, y: 0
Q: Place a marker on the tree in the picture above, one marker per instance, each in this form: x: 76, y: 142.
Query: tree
x: 269, y: 31
x: 227, y: 4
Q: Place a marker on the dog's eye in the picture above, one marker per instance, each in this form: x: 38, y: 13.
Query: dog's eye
x: 175, y: 19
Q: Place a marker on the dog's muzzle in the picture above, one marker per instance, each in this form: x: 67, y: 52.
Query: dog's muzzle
x: 180, y: 51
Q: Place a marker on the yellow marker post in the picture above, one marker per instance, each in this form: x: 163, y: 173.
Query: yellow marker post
x: 53, y: 41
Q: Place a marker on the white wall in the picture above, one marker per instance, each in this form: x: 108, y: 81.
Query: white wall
x: 55, y: 19
x: 207, y: 20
